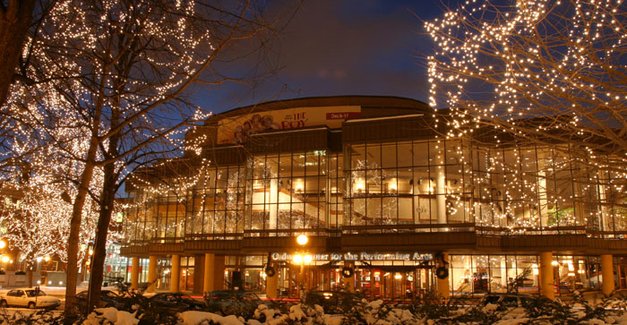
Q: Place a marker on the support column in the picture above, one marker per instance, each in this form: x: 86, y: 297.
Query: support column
x: 175, y: 273
x: 272, y: 286
x: 547, y: 285
x: 607, y: 271
x: 152, y: 274
x: 134, y: 273
x: 444, y: 289
x: 208, y: 281
x: 213, y: 272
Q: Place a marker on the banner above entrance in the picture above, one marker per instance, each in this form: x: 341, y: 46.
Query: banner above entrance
x: 362, y: 256
x: 238, y: 129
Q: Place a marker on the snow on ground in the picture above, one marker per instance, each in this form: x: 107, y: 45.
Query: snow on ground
x: 374, y: 312
x: 198, y: 317
x: 112, y: 315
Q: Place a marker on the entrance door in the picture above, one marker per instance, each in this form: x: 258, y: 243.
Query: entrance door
x: 393, y: 283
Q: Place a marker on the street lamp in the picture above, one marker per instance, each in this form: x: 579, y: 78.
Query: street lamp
x: 302, y: 258
x: 302, y: 240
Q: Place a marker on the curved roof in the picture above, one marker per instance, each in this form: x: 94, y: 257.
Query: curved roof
x: 376, y: 102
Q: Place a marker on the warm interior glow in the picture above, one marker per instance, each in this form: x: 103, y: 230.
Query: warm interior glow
x: 393, y: 185
x: 299, y: 185
x: 360, y: 185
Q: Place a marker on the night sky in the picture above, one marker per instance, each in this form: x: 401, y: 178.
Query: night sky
x: 334, y: 47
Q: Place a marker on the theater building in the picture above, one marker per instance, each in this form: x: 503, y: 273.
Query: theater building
x: 390, y: 207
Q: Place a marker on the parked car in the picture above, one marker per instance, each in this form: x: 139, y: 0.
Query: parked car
x: 507, y: 300
x: 333, y: 302
x: 108, y: 298
x: 619, y: 294
x: 616, y: 301
x: 162, y: 307
x: 233, y: 302
x: 174, y: 302
x: 30, y: 298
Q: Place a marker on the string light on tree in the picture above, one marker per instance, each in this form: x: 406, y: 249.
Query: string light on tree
x: 543, y: 75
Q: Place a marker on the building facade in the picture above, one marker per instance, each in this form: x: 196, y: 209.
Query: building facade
x: 390, y: 206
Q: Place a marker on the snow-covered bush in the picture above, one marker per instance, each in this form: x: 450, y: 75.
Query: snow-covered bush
x: 433, y: 310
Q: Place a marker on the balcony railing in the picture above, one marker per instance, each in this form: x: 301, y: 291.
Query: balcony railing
x: 317, y: 232
x: 389, y: 229
x: 406, y: 228
x: 166, y: 240
x: 506, y: 231
x: 217, y: 236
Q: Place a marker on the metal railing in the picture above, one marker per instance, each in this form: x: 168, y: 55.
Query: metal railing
x: 390, y: 229
x: 408, y: 228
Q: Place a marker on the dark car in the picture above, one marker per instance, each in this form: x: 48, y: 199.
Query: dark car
x: 174, y: 302
x: 333, y: 302
x: 108, y: 298
x: 505, y: 300
x: 233, y: 302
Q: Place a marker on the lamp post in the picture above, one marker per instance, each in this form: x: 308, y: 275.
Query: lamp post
x: 302, y: 258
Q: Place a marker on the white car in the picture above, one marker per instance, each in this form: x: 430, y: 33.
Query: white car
x: 30, y: 298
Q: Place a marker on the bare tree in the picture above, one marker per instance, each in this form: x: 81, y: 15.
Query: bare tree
x: 544, y: 71
x: 113, y: 74
x: 37, y: 225
x: 540, y: 74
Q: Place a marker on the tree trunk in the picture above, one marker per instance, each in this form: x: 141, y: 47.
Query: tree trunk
x: 75, y: 228
x: 29, y: 273
x: 106, y: 209
x: 15, y: 19
x: 107, y: 199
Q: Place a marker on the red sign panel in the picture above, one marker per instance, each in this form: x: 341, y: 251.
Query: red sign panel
x: 342, y: 115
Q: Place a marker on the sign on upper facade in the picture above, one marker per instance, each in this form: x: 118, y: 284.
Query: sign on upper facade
x: 238, y: 129
x: 361, y: 256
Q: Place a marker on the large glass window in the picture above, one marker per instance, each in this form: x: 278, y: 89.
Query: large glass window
x: 215, y: 206
x: 531, y: 188
x: 409, y: 182
x: 493, y: 273
x: 294, y: 191
x: 415, y: 183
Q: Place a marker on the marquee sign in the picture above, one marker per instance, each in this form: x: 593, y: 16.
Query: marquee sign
x: 362, y: 256
x: 239, y: 128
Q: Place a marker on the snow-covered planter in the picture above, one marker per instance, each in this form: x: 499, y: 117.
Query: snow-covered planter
x: 535, y: 311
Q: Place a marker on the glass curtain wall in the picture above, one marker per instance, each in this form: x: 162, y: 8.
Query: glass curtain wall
x: 533, y: 188
x: 209, y: 203
x: 215, y: 206
x: 293, y: 191
x: 158, y: 218
x: 410, y: 182
x: 520, y: 273
x: 420, y: 182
